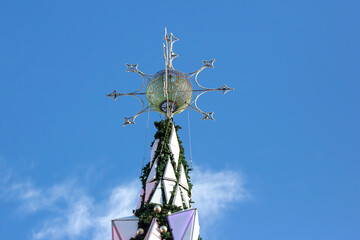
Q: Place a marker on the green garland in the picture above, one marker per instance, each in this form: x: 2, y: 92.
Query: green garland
x: 146, y: 212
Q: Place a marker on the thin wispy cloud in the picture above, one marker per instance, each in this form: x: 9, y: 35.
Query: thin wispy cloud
x: 74, y: 214
x: 83, y: 218
x: 215, y: 190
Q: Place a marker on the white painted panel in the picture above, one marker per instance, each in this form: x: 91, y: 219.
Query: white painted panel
x: 149, y: 188
x: 169, y: 173
x: 177, y: 199
x: 152, y: 174
x: 179, y: 222
x: 140, y: 199
x: 196, y: 232
x: 153, y: 149
x: 157, y: 196
x: 189, y: 230
x: 183, y: 180
x: 115, y: 236
x: 168, y: 187
x: 174, y: 145
x: 126, y: 227
x: 185, y: 196
x: 154, y: 232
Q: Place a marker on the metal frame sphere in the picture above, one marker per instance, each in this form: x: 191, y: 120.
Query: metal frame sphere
x: 179, y: 91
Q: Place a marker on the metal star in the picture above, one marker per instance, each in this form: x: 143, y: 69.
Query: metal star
x: 207, y: 116
x: 224, y: 89
x: 209, y: 64
x: 129, y: 120
x: 169, y: 56
x: 114, y: 95
x: 131, y: 67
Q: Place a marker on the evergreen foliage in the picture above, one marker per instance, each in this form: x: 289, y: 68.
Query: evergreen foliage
x: 146, y: 212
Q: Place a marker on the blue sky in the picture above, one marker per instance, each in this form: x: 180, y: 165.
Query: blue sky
x: 281, y: 161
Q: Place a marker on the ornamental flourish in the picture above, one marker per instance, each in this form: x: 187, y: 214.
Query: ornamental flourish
x: 169, y: 91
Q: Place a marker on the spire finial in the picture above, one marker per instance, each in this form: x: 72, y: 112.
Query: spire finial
x: 169, y: 91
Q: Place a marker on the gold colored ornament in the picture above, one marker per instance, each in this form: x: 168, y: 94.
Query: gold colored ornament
x: 157, y: 209
x: 140, y: 231
x: 163, y: 229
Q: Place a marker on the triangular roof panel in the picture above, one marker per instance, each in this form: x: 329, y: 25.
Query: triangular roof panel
x: 126, y: 227
x: 153, y: 149
x: 115, y: 235
x: 154, y: 232
x: 183, y: 180
x: 196, y: 231
x: 177, y: 199
x: 149, y: 188
x: 168, y: 187
x: 152, y: 174
x: 169, y: 173
x: 140, y: 200
x: 174, y: 145
x: 157, y: 196
x: 193, y: 229
x: 173, y: 136
x: 185, y: 195
x: 189, y: 230
x: 179, y: 223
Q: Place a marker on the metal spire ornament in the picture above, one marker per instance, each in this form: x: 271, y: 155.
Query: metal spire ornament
x: 169, y: 91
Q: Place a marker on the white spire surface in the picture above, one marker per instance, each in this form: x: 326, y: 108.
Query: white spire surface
x: 169, y: 173
x: 168, y: 187
x: 154, y: 232
x: 185, y: 195
x: 177, y: 198
x: 183, y: 180
x: 157, y: 196
x: 153, y: 149
x: 152, y: 174
x: 149, y: 188
x: 174, y: 145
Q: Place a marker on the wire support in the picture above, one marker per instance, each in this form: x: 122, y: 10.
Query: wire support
x: 191, y: 162
x: 146, y: 137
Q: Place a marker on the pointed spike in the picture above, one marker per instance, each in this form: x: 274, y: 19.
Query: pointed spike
x: 167, y: 37
x: 128, y: 120
x: 208, y: 116
x: 174, y: 39
x: 208, y: 64
x: 131, y: 67
x: 114, y: 95
x: 224, y: 89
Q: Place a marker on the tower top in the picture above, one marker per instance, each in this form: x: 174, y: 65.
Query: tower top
x: 169, y: 91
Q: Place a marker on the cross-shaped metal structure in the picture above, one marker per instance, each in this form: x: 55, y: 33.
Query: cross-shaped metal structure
x: 169, y: 107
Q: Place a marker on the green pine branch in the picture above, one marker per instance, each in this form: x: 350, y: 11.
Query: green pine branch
x: 146, y: 212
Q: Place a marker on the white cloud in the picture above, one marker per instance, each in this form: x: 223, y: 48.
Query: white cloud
x: 215, y: 191
x: 71, y: 212
x: 82, y: 217
x: 74, y: 214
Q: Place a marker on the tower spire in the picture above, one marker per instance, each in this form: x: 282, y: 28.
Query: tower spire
x: 164, y: 209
